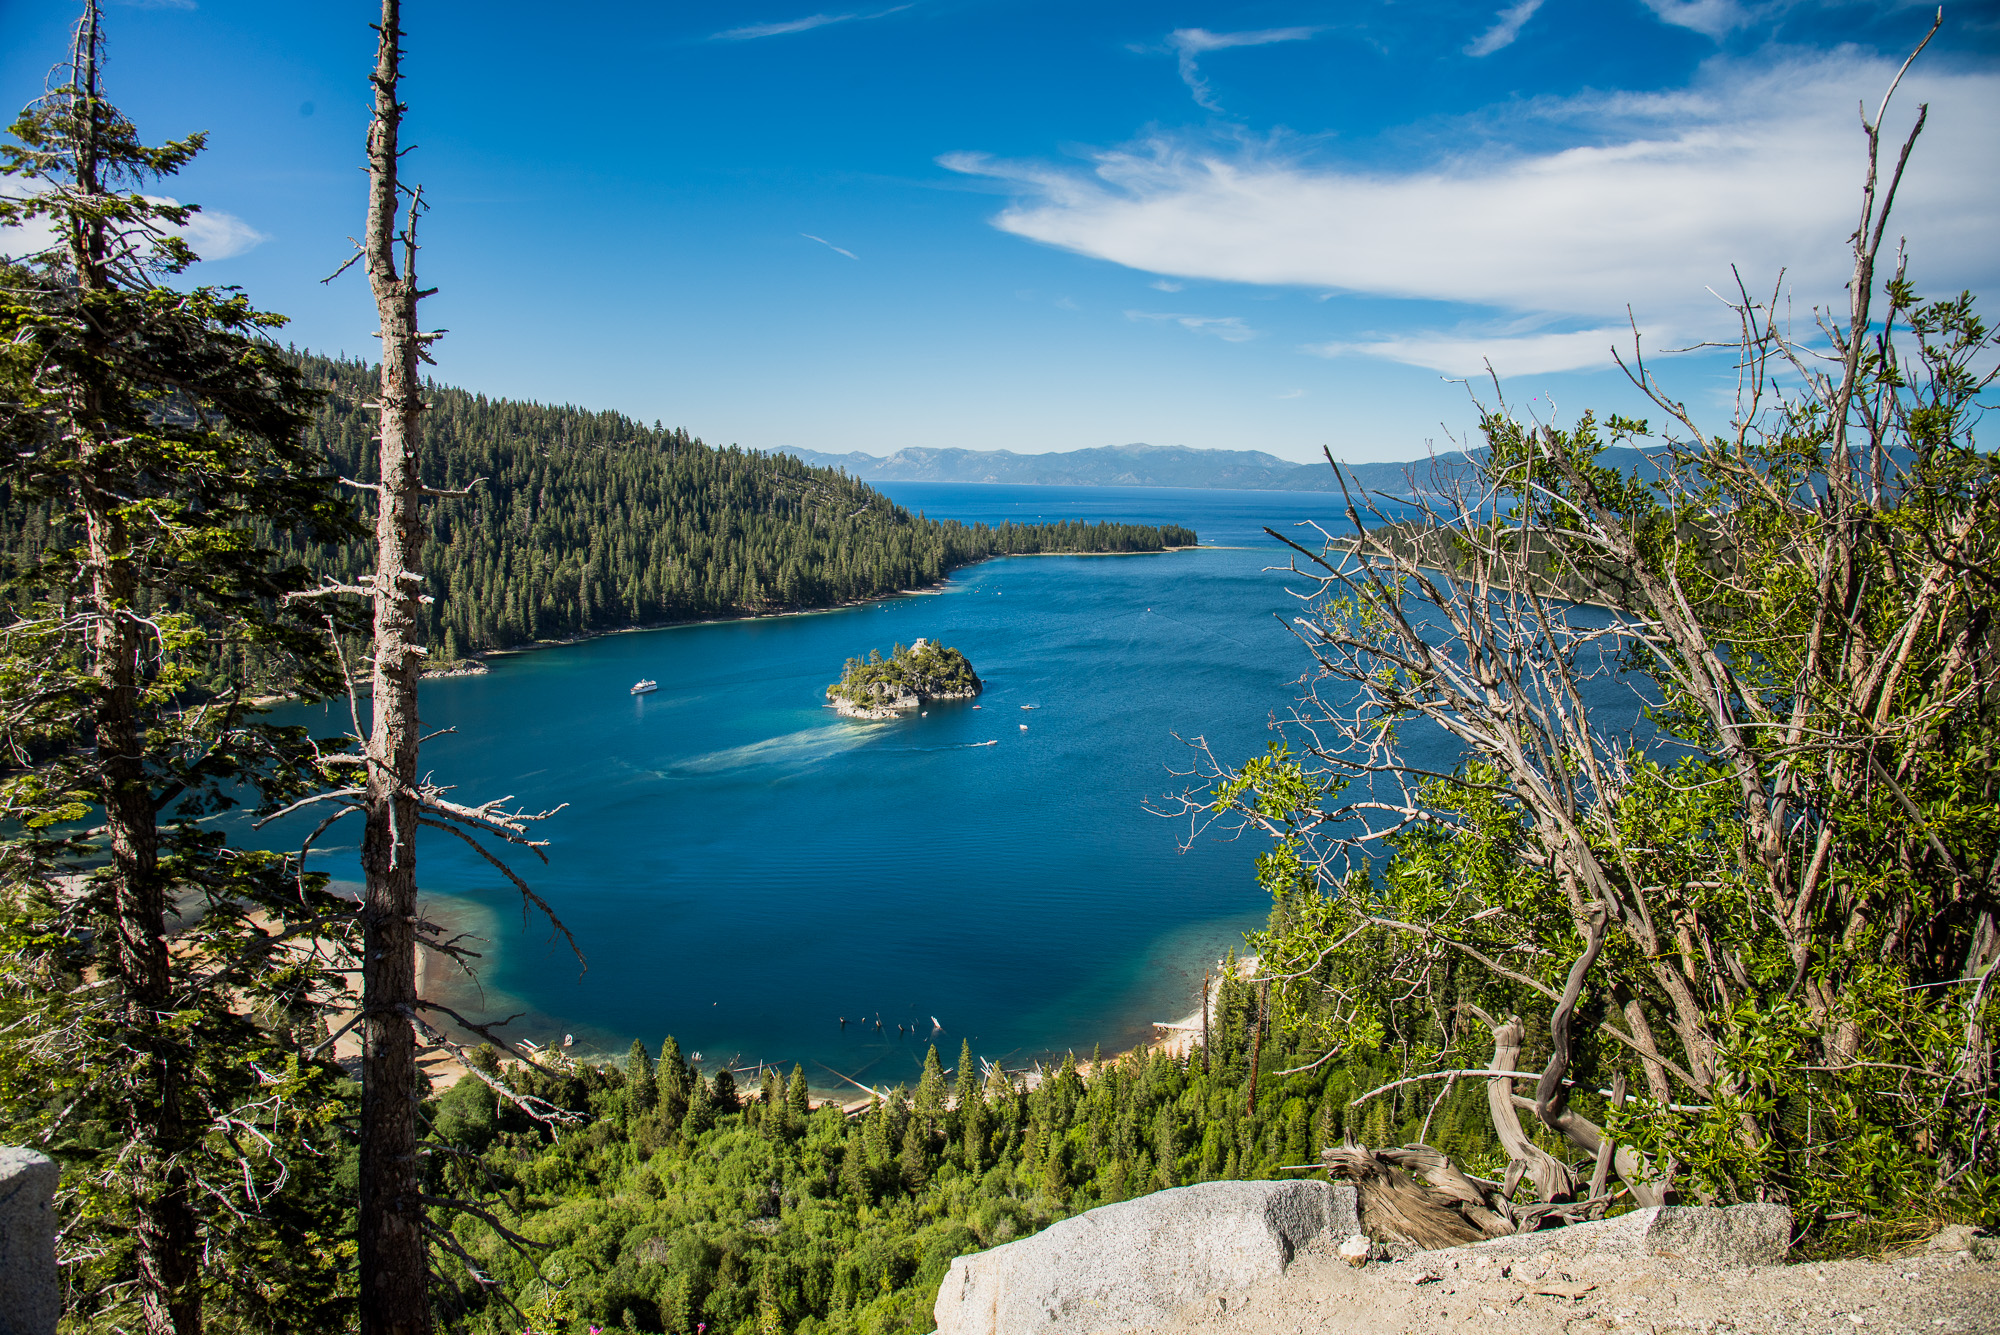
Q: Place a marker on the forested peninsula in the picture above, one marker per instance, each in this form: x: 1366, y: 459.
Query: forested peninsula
x: 576, y: 521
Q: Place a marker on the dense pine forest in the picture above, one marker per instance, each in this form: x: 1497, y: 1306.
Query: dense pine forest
x: 675, y: 1201
x: 580, y: 521
x: 577, y: 521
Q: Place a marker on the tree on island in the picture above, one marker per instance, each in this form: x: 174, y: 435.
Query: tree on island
x: 908, y: 678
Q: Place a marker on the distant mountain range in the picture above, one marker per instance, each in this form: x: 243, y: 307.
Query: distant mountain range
x: 1142, y: 465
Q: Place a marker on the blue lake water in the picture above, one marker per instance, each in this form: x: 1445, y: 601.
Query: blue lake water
x: 743, y: 868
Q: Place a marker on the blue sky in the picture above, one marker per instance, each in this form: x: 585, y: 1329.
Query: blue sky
x: 1007, y: 224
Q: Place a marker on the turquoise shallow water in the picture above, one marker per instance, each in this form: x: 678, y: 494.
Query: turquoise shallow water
x: 743, y: 868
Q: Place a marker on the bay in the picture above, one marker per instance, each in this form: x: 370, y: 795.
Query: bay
x: 743, y: 869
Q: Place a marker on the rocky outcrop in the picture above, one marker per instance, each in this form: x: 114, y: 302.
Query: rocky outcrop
x: 1138, y: 1263
x: 1736, y: 1236
x: 30, y: 1300
x: 891, y: 706
x: 878, y: 706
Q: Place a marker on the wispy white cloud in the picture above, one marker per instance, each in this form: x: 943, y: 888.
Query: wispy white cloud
x: 1756, y: 165
x: 214, y: 235
x: 1067, y: 304
x: 829, y: 245
x: 1228, y: 328
x: 1506, y: 27
x: 1293, y: 394
x: 752, y: 31
x: 221, y: 236
x: 1166, y: 285
x: 1467, y: 353
x: 1719, y: 18
x: 1712, y: 18
x: 755, y: 30
x: 1191, y: 43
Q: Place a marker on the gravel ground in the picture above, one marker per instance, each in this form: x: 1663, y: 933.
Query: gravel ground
x: 1937, y: 1292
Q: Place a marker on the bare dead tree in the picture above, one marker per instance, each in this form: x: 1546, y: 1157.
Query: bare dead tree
x: 1808, y: 595
x: 395, y: 1269
x: 393, y: 796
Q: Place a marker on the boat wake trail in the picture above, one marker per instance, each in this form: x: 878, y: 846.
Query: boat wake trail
x: 791, y: 751
x: 926, y: 750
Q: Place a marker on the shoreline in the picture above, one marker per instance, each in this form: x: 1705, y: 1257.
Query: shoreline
x: 920, y: 591
x: 1176, y: 1039
x: 1179, y: 1040
x: 474, y: 664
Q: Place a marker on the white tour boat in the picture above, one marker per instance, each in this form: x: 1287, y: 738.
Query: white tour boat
x: 644, y: 686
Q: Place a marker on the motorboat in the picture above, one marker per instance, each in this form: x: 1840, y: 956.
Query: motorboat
x: 645, y: 686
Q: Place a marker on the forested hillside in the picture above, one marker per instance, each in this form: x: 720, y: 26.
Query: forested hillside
x: 678, y: 1202
x: 583, y: 521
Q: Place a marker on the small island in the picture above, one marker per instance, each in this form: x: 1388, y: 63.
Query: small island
x: 878, y: 687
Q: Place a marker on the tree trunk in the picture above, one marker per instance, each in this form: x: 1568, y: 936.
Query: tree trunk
x: 393, y: 1261
x: 155, y: 1120
x: 1257, y: 1043
x: 1204, y: 1022
x: 1551, y: 1177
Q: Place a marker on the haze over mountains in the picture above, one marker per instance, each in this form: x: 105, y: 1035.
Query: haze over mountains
x: 1141, y: 465
x: 1136, y: 465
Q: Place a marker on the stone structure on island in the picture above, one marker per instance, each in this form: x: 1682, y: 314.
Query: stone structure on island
x: 1140, y: 1262
x: 880, y: 688
x: 30, y: 1297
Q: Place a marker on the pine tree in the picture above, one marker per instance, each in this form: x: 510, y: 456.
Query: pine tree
x: 929, y: 1108
x: 854, y: 1175
x: 798, y: 1097
x: 875, y: 1135
x: 700, y: 1108
x: 966, y: 1092
x: 769, y: 1111
x: 770, y: 1303
x: 999, y: 1088
x: 643, y: 1086
x: 155, y: 427
x: 913, y: 1160
x: 722, y: 1093
x: 673, y: 1083
x: 1166, y: 1144
x: 1056, y: 1169
x: 969, y: 1113
x: 394, y: 1262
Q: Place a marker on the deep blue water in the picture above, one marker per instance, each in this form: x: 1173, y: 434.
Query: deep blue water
x: 743, y: 868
